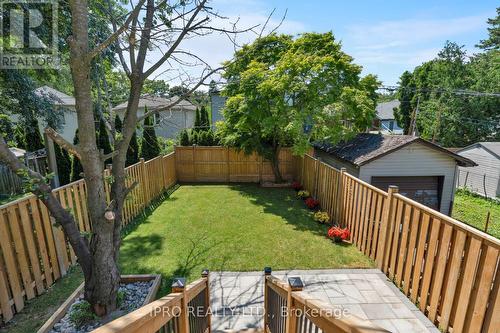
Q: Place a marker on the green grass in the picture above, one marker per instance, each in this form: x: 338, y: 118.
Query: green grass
x: 219, y: 227
x: 472, y: 209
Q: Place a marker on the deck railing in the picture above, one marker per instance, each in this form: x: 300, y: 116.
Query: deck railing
x: 185, y: 310
x: 288, y: 309
x: 448, y: 269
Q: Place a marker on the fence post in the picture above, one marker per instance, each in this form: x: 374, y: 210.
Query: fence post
x: 228, y: 165
x: 267, y: 272
x: 385, y: 227
x: 295, y: 284
x: 145, y: 191
x: 340, y: 197
x: 316, y: 177
x: 208, y: 314
x: 179, y: 286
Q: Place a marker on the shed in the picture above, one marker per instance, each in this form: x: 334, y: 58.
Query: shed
x: 484, y: 178
x: 423, y: 171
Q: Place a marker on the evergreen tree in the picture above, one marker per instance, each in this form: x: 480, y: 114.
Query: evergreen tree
x: 76, y: 165
x: 149, y: 145
x: 205, y: 123
x: 133, y: 151
x: 118, y: 124
x: 184, y: 138
x: 63, y: 165
x: 33, y: 138
x: 20, y: 137
x: 197, y: 120
x: 493, y: 40
x: 103, y: 139
x: 406, y: 92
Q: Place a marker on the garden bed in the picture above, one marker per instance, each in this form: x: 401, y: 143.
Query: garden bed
x: 135, y: 291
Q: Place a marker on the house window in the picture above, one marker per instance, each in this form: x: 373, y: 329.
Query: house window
x: 157, y: 118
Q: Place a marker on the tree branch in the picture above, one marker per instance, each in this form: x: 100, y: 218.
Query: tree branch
x: 112, y: 38
x: 69, y: 147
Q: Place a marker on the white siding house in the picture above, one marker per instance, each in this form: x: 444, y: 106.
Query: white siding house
x: 423, y: 171
x: 484, y: 178
x: 168, y: 123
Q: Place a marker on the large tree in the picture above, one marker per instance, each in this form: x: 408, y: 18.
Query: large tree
x: 285, y: 91
x: 148, y: 27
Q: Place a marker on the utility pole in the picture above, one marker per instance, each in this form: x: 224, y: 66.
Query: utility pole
x: 413, y: 125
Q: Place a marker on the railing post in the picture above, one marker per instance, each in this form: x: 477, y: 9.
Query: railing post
x: 295, y: 284
x: 208, y: 313
x: 385, y: 228
x: 340, y: 197
x: 267, y: 272
x: 179, y: 286
x: 144, y: 185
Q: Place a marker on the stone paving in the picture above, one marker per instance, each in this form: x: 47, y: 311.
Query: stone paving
x: 237, y: 298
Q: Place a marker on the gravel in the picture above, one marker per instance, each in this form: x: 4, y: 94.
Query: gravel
x: 135, y: 294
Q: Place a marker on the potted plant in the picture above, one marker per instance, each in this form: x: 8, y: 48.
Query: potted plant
x: 321, y: 217
x: 338, y: 234
x: 311, y: 203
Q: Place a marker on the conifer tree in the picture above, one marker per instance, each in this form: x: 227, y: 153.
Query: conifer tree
x: 103, y: 139
x: 205, y: 123
x: 33, y: 138
x: 20, y: 137
x: 76, y: 165
x: 149, y: 145
x: 63, y: 162
x: 197, y: 120
x: 184, y: 138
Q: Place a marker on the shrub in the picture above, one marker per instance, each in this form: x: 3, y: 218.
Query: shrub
x: 303, y: 194
x: 321, y: 217
x: 296, y: 186
x: 338, y: 234
x: 81, y: 313
x: 184, y: 139
x: 120, y: 298
x: 312, y: 203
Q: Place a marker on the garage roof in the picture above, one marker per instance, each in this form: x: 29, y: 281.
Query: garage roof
x: 366, y: 147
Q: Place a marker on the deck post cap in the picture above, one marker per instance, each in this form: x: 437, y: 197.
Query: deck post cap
x: 205, y: 272
x: 178, y: 284
x: 295, y: 283
x: 267, y: 270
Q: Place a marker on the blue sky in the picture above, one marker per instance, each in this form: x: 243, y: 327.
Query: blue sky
x: 385, y: 37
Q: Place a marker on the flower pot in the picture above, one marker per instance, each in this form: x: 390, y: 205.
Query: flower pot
x: 61, y: 312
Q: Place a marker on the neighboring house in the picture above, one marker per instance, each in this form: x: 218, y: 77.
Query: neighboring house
x: 62, y: 103
x: 484, y: 178
x: 385, y: 121
x: 217, y: 103
x: 168, y: 123
x: 423, y: 171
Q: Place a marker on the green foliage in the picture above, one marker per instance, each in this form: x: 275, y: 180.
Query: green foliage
x: 197, y: 120
x: 149, y: 145
x: 81, y: 313
x: 103, y: 138
x: 63, y: 162
x: 33, y: 138
x: 120, y: 298
x: 204, y: 121
x: 473, y: 209
x: 405, y: 95
x: 286, y: 92
x: 166, y: 145
x: 132, y: 151
x: 76, y: 165
x: 446, y: 117
x: 184, y: 139
x: 156, y: 88
x: 493, y: 40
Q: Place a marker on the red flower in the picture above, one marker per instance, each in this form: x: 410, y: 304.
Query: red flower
x: 296, y: 186
x: 337, y: 232
x: 311, y: 203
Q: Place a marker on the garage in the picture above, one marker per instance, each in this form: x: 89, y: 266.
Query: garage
x: 424, y: 189
x: 423, y: 171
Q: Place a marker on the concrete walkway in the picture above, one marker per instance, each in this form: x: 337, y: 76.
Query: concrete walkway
x: 237, y: 298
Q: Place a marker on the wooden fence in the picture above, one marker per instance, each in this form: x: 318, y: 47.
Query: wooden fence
x: 448, y: 269
x: 221, y: 164
x: 34, y: 252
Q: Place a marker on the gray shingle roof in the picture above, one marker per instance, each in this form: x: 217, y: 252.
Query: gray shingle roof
x: 386, y: 110
x: 56, y: 96
x: 366, y: 147
x: 492, y: 147
x: 153, y: 102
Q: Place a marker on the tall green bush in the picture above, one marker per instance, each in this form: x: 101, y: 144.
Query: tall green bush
x: 63, y: 162
x: 149, y: 145
x: 103, y: 138
x: 76, y: 165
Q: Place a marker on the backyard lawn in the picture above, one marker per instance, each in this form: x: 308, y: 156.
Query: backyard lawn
x: 472, y: 209
x: 219, y: 227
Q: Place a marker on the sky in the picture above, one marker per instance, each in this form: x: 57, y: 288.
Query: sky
x: 385, y: 37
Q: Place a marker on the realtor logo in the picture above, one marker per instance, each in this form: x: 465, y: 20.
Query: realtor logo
x: 28, y: 34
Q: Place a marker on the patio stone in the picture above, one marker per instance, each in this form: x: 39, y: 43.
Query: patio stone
x: 365, y: 293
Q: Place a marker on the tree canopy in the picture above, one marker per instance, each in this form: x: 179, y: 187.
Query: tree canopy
x: 285, y: 91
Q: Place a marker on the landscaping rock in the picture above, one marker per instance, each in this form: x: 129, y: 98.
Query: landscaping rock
x: 134, y: 296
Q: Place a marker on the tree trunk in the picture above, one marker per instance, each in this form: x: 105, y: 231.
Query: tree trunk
x: 275, y: 165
